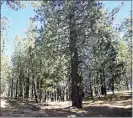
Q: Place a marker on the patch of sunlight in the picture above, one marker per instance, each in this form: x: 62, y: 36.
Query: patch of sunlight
x: 56, y: 105
x: 81, y: 111
x: 22, y: 104
x: 127, y: 106
x: 99, y: 102
x: 71, y: 116
x: 89, y: 101
x: 74, y: 110
x: 3, y: 103
x: 94, y: 103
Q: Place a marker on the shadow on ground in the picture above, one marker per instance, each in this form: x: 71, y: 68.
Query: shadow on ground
x: 111, y: 97
x: 23, y: 108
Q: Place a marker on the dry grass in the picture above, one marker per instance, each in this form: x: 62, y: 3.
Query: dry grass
x: 112, y: 105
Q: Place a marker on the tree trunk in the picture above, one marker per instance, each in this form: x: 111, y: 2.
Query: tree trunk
x: 16, y: 94
x: 35, y: 94
x: 90, y: 84
x: 27, y: 87
x: 40, y: 90
x: 105, y: 91
x: 12, y: 87
x: 20, y: 85
x: 65, y: 95
x: 126, y: 82
x: 112, y: 86
x: 76, y: 97
x: 91, y: 90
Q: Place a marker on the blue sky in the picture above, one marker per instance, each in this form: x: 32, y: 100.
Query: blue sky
x: 20, y: 20
x: 124, y: 12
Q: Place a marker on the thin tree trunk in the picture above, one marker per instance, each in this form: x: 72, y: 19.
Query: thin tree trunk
x: 32, y: 91
x: 126, y: 82
x: 65, y: 95
x: 90, y: 84
x: 27, y: 87
x: 12, y: 87
x: 105, y: 91
x: 16, y: 94
x: 113, y: 86
x: 35, y: 94
x: 20, y: 85
x: 40, y: 95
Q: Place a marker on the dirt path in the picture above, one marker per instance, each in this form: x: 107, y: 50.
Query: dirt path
x: 98, y: 108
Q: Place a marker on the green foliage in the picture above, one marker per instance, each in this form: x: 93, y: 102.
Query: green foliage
x: 15, y: 5
x: 45, y: 56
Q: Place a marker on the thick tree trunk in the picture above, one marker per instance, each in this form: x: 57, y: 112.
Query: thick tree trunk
x: 76, y: 97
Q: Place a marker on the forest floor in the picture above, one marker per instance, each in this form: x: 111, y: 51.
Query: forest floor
x: 118, y: 105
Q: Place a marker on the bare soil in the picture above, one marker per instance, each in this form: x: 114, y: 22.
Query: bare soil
x: 119, y: 105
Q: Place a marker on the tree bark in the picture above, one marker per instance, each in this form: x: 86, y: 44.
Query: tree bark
x: 75, y: 96
x: 12, y: 84
x: 16, y: 94
x: 35, y: 94
x: 40, y: 95
x: 27, y: 87
x: 20, y: 85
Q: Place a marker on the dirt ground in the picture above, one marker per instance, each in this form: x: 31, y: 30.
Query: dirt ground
x: 111, y: 106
